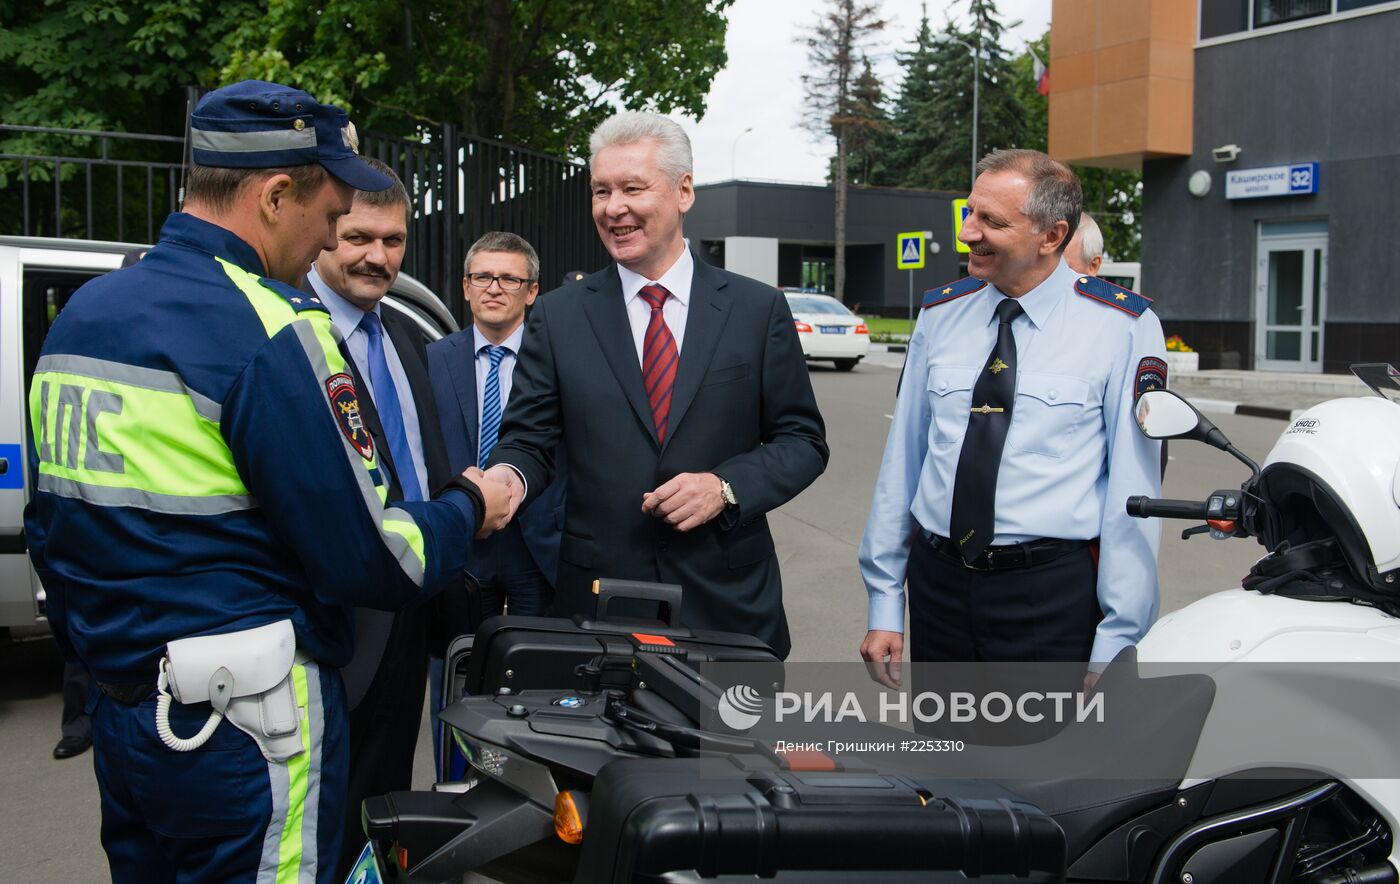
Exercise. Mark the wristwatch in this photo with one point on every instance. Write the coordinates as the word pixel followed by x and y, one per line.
pixel 726 493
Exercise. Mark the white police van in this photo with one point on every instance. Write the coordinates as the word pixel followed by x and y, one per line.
pixel 37 277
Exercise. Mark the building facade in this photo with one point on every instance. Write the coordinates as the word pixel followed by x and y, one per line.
pixel 784 235
pixel 1270 195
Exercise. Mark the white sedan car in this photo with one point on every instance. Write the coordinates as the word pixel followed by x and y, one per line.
pixel 828 330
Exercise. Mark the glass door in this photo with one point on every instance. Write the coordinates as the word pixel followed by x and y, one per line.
pixel 1291 303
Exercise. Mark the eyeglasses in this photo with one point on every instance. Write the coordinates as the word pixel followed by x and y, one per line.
pixel 508 284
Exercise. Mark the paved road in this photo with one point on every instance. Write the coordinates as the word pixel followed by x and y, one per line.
pixel 51 807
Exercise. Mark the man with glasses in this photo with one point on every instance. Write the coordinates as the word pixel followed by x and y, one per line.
pixel 472 373
pixel 471 376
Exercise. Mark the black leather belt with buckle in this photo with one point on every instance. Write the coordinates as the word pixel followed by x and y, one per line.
pixel 128 694
pixel 1010 556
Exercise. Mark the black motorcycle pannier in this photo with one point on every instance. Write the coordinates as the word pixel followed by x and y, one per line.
pixel 512 654
pixel 719 819
pixel 528 653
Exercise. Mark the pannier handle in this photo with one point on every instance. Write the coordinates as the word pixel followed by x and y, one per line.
pixel 666 595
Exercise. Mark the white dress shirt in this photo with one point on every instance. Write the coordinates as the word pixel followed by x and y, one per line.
pixel 346 318
pixel 674 311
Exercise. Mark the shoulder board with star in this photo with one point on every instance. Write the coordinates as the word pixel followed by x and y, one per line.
pixel 952 291
pixel 298 299
pixel 1105 292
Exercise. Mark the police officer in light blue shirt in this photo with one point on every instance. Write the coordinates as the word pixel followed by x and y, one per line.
pixel 1001 493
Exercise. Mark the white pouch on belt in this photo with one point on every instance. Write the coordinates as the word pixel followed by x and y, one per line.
pixel 246 676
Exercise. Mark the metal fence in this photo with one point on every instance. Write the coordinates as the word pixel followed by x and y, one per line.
pixel 120 186
pixel 93 185
pixel 463 186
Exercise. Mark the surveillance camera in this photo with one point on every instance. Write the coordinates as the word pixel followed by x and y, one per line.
pixel 1225 153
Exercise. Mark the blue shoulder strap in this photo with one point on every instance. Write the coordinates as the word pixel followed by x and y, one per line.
pixel 952 291
pixel 1105 292
pixel 300 300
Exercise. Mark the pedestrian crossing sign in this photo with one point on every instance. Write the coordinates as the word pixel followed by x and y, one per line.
pixel 959 216
pixel 910 250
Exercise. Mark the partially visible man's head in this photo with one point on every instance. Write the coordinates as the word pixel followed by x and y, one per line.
pixel 277 168
pixel 501 278
pixel 372 238
pixel 1022 212
pixel 1084 254
pixel 642 187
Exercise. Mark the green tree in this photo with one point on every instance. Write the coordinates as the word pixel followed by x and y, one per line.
pixel 869 135
pixel 1112 196
pixel 946 163
pixel 934 113
pixel 108 64
pixel 540 73
pixel 118 65
pixel 915 131
pixel 834 44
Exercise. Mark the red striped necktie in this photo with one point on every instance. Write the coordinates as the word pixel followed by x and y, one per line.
pixel 659 360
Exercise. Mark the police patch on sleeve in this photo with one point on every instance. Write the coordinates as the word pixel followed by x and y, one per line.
pixel 345 405
pixel 1151 375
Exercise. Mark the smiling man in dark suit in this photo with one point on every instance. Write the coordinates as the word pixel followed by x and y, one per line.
pixel 681 393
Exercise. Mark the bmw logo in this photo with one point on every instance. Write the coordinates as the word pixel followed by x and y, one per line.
pixel 569 702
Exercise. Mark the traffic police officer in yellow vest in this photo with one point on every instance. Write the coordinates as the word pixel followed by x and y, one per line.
pixel 208 504
pixel 1001 495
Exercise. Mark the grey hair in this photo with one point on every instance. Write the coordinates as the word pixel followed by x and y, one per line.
pixel 673 155
pixel 1090 238
pixel 500 241
pixel 1055 192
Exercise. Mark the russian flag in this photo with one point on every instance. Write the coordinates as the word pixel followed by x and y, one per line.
pixel 1042 73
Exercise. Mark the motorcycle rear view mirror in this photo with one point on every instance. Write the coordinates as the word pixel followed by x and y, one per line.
pixel 1164 414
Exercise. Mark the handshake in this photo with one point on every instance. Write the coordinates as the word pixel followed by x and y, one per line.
pixel 686 502
pixel 501 493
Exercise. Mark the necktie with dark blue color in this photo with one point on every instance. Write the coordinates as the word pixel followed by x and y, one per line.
pixel 973 521
pixel 386 402
pixel 659 360
pixel 491 403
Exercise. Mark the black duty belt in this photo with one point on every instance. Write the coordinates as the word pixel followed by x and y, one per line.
pixel 128 694
pixel 1010 556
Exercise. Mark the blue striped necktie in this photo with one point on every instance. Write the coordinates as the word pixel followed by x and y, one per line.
pixel 491 403
pixel 386 402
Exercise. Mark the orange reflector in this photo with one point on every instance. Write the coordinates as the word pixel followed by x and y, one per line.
pixel 401 856
pixel 804 759
pixel 568 822
pixel 647 638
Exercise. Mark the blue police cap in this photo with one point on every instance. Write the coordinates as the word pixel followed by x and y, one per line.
pixel 258 125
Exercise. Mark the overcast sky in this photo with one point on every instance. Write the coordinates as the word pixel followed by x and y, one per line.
pixel 760 87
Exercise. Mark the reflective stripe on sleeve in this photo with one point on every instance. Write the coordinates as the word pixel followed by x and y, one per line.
pixel 318 339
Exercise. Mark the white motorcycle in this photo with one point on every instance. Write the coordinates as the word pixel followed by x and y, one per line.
pixel 1304 658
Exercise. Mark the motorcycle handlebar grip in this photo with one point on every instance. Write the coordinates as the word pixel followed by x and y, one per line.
pixel 1150 507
